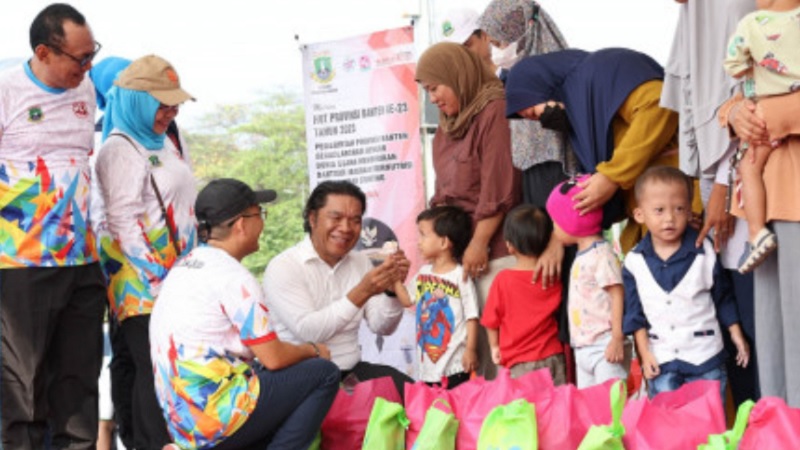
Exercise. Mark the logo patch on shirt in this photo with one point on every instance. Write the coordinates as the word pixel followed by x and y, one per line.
pixel 80 109
pixel 154 161
pixel 35 114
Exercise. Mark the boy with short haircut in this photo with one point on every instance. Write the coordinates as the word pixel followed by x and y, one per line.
pixel 520 316
pixel 596 296
pixel 447 306
pixel 675 293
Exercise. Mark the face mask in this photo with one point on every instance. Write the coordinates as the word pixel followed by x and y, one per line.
pixel 505 57
pixel 554 117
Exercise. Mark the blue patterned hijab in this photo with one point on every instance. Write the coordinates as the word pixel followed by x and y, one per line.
pixel 592 86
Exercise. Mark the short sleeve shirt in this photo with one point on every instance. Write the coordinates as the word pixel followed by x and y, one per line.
pixel 594 269
pixel 444 304
pixel 209 311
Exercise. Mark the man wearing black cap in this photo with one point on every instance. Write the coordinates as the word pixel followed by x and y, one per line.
pixel 208 324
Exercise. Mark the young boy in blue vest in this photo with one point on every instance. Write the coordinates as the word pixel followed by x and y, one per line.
pixel 675 294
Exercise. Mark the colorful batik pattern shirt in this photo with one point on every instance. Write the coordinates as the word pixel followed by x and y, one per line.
pixel 46 137
pixel 136 248
pixel 210 310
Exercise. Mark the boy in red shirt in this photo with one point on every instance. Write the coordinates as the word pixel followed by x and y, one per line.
pixel 520 316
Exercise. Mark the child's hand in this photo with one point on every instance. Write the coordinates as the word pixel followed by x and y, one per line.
pixel 742 347
pixel 496 355
pixel 470 361
pixel 615 351
pixel 649 365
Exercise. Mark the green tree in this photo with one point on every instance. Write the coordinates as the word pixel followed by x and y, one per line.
pixel 264 145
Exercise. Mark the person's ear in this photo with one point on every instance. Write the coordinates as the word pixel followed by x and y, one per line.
pixel 42 52
pixel 638 215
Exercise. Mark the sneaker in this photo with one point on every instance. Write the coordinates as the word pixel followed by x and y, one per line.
pixel 765 243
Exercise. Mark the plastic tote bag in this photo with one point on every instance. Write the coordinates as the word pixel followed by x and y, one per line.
pixel 386 429
pixel 679 420
pixel 773 425
pixel 609 437
pixel 510 427
pixel 419 398
pixel 729 440
pixel 346 422
pixel 439 429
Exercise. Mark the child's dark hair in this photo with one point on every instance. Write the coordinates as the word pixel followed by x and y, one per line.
pixel 528 229
pixel 451 222
pixel 664 174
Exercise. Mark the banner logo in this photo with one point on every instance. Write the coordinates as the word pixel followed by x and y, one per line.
pixel 323 70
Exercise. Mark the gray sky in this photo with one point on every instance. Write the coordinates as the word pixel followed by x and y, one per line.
pixel 231 51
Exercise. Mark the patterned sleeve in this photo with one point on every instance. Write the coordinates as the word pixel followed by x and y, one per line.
pixel 609 272
pixel 737 57
pixel 245 307
pixel 122 175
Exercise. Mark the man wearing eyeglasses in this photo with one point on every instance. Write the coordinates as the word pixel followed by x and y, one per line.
pixel 52 293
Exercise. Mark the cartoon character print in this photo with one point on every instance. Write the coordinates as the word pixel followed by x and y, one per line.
pixel 771 63
pixel 435 322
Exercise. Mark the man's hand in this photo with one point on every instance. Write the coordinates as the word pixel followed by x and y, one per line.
pixel 716 218
pixel 376 281
pixel 597 191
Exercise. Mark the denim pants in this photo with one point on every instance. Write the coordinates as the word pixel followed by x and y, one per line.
pixel 670 381
pixel 290 408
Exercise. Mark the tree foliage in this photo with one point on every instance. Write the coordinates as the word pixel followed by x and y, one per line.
pixel 264 145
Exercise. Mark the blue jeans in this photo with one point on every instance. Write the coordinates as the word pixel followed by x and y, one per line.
pixel 290 408
pixel 670 381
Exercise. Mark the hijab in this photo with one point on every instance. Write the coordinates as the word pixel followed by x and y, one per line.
pixel 526 24
pixel 474 84
pixel 592 86
pixel 133 113
pixel 103 75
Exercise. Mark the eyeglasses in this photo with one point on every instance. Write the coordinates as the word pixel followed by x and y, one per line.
pixel 83 62
pixel 261 212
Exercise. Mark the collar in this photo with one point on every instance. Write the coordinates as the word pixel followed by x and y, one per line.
pixel 308 253
pixel 38 82
pixel 594 245
pixel 687 248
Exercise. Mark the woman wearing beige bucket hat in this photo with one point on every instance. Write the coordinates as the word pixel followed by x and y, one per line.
pixel 148 192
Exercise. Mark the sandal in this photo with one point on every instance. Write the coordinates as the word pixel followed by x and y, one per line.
pixel 765 243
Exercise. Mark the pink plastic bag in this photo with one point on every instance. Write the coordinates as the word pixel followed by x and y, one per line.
pixel 419 397
pixel 565 415
pixel 678 420
pixel 772 425
pixel 346 422
pixel 472 401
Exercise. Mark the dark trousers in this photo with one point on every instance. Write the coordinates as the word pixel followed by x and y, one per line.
pixel 52 349
pixel 290 408
pixel 123 372
pixel 743 380
pixel 149 426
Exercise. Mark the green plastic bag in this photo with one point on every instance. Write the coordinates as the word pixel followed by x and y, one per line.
pixel 315 444
pixel 510 427
pixel 729 440
pixel 609 437
pixel 439 429
pixel 386 429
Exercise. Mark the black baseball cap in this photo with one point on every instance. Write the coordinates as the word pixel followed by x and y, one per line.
pixel 224 199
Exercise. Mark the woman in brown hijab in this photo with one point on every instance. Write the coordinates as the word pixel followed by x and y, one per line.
pixel 472 157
